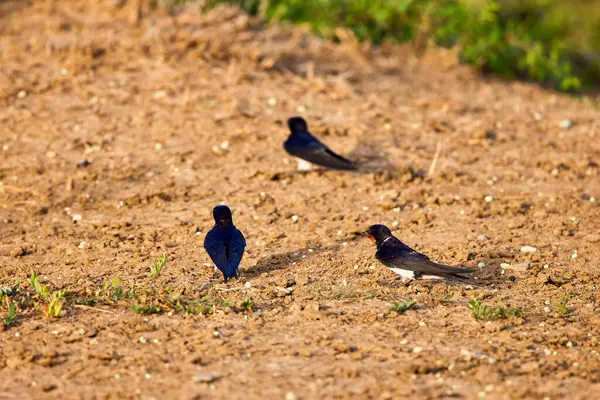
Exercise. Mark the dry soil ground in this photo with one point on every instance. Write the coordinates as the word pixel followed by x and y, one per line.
pixel 178 112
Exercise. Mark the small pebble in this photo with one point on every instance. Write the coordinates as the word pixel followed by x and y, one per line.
pixel 528 249
pixel 565 124
pixel 512 278
pixel 21 94
pixel 290 396
pixel 295 218
pixel 417 349
pixel 205 378
pixel 489 199
pixel 482 238
pixel 481 265
pixel 504 265
pixel 77 217
pixel 81 245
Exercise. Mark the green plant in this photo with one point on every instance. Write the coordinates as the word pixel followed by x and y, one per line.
pixel 247 304
pixel 146 309
pixel 227 303
pixel 158 266
pixel 401 307
pixel 552 42
pixel 486 313
pixel 561 306
pixel 11 318
pixel 344 292
pixel 42 290
pixel 55 302
pixel 54 299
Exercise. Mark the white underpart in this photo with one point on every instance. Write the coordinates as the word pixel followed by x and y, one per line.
pixel 405 274
pixel 304 165
pixel 408 275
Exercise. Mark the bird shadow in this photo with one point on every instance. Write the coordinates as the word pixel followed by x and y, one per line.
pixel 283 260
pixel 371 157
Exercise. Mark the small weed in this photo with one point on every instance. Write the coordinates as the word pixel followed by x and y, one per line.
pixel 85 301
pixel 561 306
pixel 55 302
pixel 227 303
pixel 401 307
pixel 42 290
pixel 205 305
pixel 247 304
pixel 486 313
pixel 54 299
pixel 345 292
pixel 7 292
pixel 158 266
pixel 11 318
pixel 117 289
pixel 145 310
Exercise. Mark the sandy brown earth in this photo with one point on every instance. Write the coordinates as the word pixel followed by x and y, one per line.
pixel 178 112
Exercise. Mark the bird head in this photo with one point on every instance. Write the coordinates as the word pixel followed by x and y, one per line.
pixel 222 215
pixel 297 124
pixel 378 233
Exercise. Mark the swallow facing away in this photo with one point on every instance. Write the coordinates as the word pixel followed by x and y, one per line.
pixel 224 243
pixel 302 144
pixel 409 263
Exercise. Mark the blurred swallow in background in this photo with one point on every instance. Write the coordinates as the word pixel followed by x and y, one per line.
pixel 302 144
pixel 409 263
pixel 224 243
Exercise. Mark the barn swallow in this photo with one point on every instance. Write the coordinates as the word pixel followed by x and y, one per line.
pixel 224 243
pixel 409 263
pixel 302 144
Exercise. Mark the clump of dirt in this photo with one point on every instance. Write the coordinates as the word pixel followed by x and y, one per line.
pixel 123 125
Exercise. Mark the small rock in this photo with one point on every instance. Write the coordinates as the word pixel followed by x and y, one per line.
pixel 504 265
pixel 565 124
pixel 290 396
pixel 295 218
pixel 205 378
pixel 489 199
pixel 520 267
pixel 481 265
pixel 482 238
pixel 83 164
pixel 77 217
pixel 528 249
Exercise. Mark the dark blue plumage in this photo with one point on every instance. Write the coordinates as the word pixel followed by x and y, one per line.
pixel 224 243
pixel 407 262
pixel 302 144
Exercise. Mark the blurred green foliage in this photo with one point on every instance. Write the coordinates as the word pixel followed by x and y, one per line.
pixel 554 42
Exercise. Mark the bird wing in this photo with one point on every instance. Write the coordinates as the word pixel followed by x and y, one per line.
pixel 421 264
pixel 237 245
pixel 215 248
pixel 317 153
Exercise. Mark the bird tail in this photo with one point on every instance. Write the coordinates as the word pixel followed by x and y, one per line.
pixel 448 272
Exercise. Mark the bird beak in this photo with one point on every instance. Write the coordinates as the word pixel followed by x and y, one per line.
pixel 371 237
